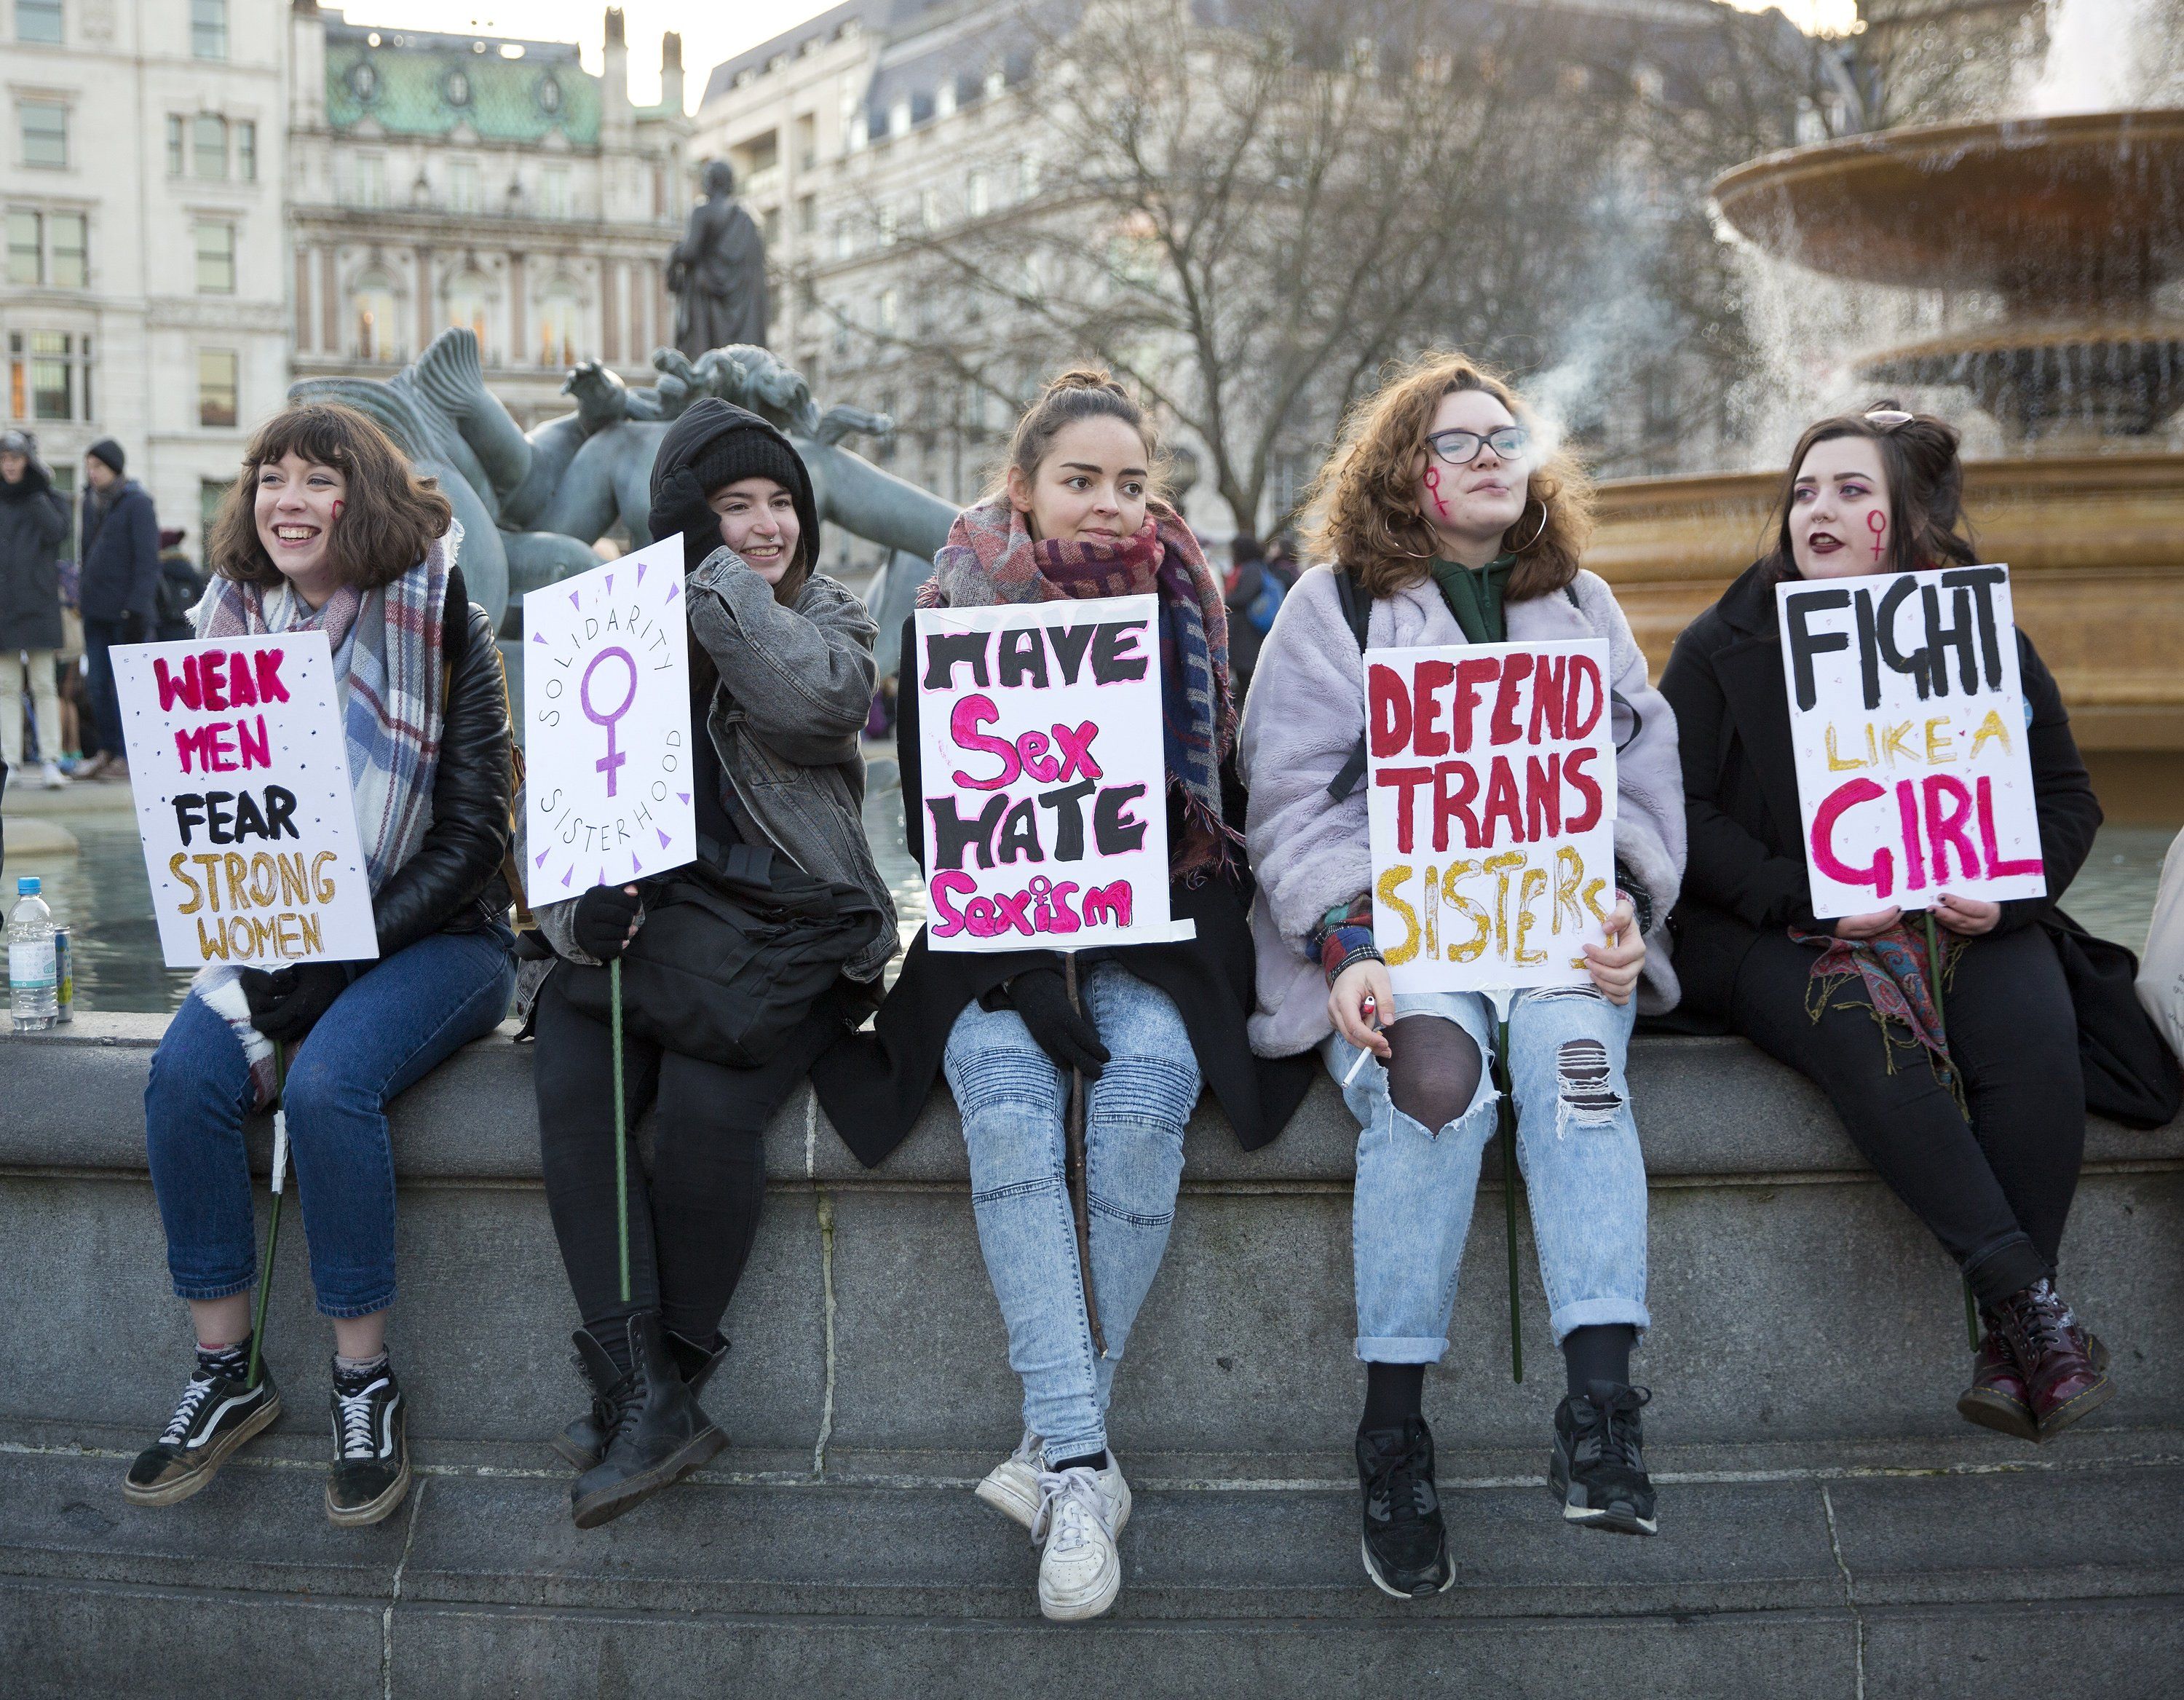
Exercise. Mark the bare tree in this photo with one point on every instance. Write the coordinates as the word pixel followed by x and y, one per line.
pixel 1247 220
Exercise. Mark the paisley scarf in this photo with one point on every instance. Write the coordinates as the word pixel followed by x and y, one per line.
pixel 991 558
pixel 1891 967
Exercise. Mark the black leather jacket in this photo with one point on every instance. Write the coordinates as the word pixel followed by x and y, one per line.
pixel 453 884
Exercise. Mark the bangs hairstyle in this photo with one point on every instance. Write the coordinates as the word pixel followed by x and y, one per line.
pixel 1087 391
pixel 1926 525
pixel 1364 502
pixel 389 516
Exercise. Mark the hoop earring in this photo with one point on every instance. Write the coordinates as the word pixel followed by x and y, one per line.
pixel 1536 535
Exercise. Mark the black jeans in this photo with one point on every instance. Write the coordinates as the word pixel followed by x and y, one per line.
pixel 692 1222
pixel 104 733
pixel 1995 1190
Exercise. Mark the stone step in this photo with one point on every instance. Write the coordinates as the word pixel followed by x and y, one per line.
pixel 1865 1574
pixel 1794 1298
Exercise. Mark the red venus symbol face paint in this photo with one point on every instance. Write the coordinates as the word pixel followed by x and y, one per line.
pixel 337 507
pixel 1877 523
pixel 1433 489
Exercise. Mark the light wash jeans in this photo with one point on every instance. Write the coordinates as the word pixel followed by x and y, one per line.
pixel 1012 1100
pixel 1577 1147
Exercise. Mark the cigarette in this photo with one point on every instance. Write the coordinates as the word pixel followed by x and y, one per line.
pixel 1363 1058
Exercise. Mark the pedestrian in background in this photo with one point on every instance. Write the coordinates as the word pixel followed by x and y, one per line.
pixel 180 585
pixel 33 522
pixel 119 588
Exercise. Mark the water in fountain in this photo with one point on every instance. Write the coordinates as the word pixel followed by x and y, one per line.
pixel 2101 57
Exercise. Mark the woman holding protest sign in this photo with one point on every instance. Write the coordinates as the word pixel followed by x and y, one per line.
pixel 1452 523
pixel 328 529
pixel 781 680
pixel 1971 1105
pixel 1076 514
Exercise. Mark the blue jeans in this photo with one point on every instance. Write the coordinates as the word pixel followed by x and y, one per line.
pixel 1577 1147
pixel 393 1025
pixel 1012 1100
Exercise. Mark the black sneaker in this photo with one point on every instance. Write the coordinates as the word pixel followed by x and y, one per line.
pixel 1598 1470
pixel 371 1470
pixel 1406 1544
pixel 217 1413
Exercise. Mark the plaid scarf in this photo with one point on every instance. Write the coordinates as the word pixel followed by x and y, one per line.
pixel 991 558
pixel 1893 968
pixel 385 646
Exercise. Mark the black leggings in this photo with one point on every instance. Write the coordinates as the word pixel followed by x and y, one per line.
pixel 1996 1189
pixel 692 1224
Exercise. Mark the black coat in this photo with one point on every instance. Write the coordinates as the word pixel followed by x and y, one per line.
pixel 33 519
pixel 120 556
pixel 1746 867
pixel 453 884
pixel 873 1084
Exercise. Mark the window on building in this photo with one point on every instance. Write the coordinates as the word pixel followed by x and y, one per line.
pixel 215 248
pixel 45 133
pixel 48 376
pixel 886 312
pixel 246 150
pixel 464 190
pixel 845 239
pixel 807 215
pixel 26 248
pixel 886 219
pixel 769 227
pixel 38 20
pixel 371 179
pixel 553 191
pixel 212 494
pixel 208 28
pixel 174 144
pixel 975 201
pixel 69 234
pixel 929 208
pixel 217 377
pixel 807 141
pixel 209 147
pixel 376 336
pixel 470 301
pixel 559 310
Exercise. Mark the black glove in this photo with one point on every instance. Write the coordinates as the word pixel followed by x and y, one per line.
pixel 285 1004
pixel 1064 1032
pixel 679 505
pixel 604 915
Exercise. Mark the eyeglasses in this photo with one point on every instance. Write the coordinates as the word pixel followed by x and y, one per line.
pixel 1461 448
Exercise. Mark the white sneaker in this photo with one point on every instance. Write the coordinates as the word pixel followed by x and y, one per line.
pixel 54 779
pixel 1079 1571
pixel 1012 1488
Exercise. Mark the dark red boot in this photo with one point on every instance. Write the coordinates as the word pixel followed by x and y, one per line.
pixel 1997 1398
pixel 2062 1380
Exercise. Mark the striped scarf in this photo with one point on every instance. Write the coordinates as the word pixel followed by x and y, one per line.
pixel 385 646
pixel 991 557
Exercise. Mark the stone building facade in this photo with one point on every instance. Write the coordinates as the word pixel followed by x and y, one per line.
pixel 145 294
pixel 438 180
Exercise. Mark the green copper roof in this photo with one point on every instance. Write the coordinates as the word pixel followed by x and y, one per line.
pixel 428 92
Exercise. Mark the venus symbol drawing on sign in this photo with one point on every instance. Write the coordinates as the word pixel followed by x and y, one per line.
pixel 607 725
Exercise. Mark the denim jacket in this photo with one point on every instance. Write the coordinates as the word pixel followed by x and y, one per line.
pixel 794 690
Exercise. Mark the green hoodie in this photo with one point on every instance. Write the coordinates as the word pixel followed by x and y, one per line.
pixel 1474 595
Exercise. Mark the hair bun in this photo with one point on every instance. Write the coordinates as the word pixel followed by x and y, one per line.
pixel 1086 376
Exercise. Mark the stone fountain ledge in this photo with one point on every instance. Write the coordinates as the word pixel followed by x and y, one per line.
pixel 1823 1509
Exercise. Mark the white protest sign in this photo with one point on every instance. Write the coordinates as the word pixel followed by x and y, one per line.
pixel 240 770
pixel 1908 724
pixel 1045 787
pixel 1492 812
pixel 607 705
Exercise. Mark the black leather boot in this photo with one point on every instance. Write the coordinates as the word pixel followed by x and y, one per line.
pixel 657 1431
pixel 580 1443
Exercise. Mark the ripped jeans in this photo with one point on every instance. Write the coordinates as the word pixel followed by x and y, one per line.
pixel 1012 1100
pixel 1577 1145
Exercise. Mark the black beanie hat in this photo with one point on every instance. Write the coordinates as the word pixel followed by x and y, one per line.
pixel 735 455
pixel 107 450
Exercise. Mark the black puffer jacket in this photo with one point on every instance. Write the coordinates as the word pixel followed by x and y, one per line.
pixel 33 519
pixel 453 884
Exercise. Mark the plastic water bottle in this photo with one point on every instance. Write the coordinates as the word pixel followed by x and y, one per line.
pixel 33 974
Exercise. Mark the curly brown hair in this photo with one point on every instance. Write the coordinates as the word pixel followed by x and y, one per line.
pixel 1364 505
pixel 389 516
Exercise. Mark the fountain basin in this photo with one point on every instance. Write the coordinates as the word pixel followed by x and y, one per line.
pixel 2080 209
pixel 2095 545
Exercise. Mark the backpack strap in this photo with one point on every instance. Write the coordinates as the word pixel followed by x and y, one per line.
pixel 1358 615
pixel 454 646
